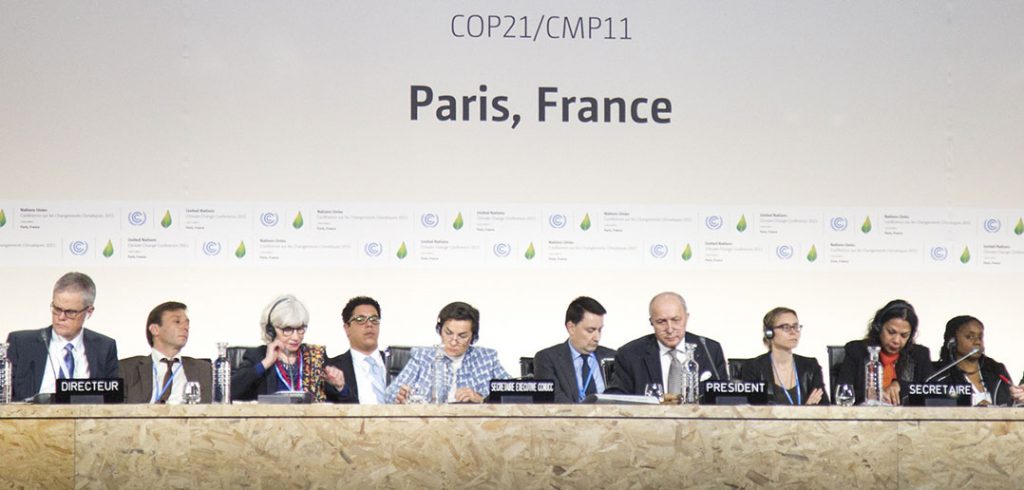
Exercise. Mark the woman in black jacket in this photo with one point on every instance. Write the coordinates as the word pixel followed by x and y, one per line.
pixel 893 329
pixel 990 379
pixel 788 378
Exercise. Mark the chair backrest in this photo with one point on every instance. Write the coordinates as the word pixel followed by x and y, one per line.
pixel 235 354
pixel 836 355
pixel 526 367
pixel 607 369
pixel 395 359
pixel 736 367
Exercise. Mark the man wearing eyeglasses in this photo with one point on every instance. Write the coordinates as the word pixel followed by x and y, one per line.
pixel 65 349
pixel 363 364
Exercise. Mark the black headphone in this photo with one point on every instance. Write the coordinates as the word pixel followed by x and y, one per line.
pixel 271 331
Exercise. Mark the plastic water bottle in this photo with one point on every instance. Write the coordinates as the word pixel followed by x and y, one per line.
pixel 5 375
pixel 222 375
pixel 873 377
pixel 439 377
pixel 691 375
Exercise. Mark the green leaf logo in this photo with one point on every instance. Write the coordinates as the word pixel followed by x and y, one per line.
pixel 298 222
pixel 1018 230
pixel 530 252
pixel 585 224
pixel 240 251
pixel 742 225
pixel 108 250
pixel 402 251
pixel 166 222
pixel 813 254
pixel 687 253
pixel 866 227
pixel 457 224
pixel 3 219
pixel 966 256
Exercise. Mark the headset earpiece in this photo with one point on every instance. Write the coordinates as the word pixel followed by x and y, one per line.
pixel 271 332
pixel 769 332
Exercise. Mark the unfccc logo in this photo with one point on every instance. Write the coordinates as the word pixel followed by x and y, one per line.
pixel 268 219
pixel 429 220
pixel 78 247
pixel 373 249
pixel 784 252
pixel 939 254
pixel 502 249
pixel 713 222
pixel 993 225
pixel 557 220
pixel 211 248
pixel 659 250
pixel 839 223
pixel 137 218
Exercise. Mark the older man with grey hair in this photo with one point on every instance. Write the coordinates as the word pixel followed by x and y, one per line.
pixel 650 358
pixel 65 349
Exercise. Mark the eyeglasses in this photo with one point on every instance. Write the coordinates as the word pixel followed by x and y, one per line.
pixel 458 339
pixel 363 319
pixel 790 328
pixel 289 331
pixel 71 314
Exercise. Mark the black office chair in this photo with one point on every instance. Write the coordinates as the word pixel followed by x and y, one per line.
pixel 395 359
pixel 235 355
pixel 736 368
pixel 526 367
pixel 607 369
pixel 836 355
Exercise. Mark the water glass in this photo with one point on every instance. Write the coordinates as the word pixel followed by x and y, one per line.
pixel 655 390
pixel 192 393
pixel 844 395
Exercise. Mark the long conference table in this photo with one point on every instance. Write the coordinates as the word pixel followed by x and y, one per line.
pixel 508 446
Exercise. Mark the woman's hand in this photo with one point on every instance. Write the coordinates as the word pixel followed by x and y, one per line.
pixel 815 397
pixel 275 350
pixel 892 394
pixel 1017 392
pixel 403 394
pixel 335 377
pixel 466 394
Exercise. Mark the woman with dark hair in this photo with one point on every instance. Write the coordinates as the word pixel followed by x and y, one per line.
pixel 789 379
pixel 989 378
pixel 893 329
pixel 465 370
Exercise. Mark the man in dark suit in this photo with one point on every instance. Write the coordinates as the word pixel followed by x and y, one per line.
pixel 362 365
pixel 161 376
pixel 649 359
pixel 64 349
pixel 575 365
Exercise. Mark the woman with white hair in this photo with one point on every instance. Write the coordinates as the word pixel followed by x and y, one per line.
pixel 285 363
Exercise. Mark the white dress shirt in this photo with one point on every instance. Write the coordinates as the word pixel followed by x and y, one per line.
pixel 177 382
pixel 364 378
pixel 666 355
pixel 55 361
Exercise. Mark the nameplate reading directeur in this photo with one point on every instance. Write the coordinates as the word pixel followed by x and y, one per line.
pixel 522 391
pixel 733 393
pixel 89 391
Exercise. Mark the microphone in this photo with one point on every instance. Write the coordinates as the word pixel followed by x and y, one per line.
pixel 954 363
pixel 711 361
pixel 46 345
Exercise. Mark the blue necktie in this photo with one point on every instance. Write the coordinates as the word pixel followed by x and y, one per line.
pixel 69 361
pixel 378 378
pixel 585 374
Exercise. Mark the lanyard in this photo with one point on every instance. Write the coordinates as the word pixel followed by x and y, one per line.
pixel 283 376
pixel 796 377
pixel 174 374
pixel 586 382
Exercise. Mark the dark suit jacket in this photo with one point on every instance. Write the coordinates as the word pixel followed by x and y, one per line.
pixel 990 372
pixel 138 377
pixel 914 365
pixel 556 363
pixel 759 369
pixel 247 383
pixel 350 394
pixel 28 351
pixel 639 362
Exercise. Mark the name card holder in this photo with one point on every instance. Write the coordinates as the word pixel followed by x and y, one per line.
pixel 522 391
pixel 89 391
pixel 939 394
pixel 733 393
pixel 286 398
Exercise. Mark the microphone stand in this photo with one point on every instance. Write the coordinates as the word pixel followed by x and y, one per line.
pixel 954 363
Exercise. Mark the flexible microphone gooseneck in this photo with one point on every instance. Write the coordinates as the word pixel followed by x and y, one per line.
pixel 954 363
